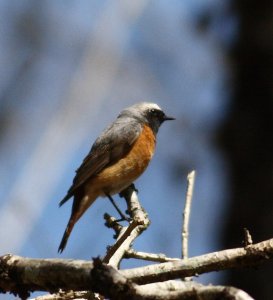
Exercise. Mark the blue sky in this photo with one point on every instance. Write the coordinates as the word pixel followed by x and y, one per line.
pixel 68 69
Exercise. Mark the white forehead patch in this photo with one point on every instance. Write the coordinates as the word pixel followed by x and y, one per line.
pixel 147 105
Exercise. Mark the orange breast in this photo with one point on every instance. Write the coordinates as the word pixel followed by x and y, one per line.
pixel 117 177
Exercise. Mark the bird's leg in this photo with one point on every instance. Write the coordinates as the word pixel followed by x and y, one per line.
pixel 124 193
pixel 123 217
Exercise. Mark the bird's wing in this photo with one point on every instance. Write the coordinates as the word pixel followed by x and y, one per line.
pixel 112 145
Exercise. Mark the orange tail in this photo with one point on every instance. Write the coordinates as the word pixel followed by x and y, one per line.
pixel 80 205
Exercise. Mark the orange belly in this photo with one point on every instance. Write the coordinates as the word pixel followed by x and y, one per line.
pixel 117 177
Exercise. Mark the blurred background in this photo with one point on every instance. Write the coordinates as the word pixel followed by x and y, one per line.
pixel 69 67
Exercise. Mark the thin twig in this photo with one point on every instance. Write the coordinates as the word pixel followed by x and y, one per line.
pixel 248 238
pixel 186 214
pixel 111 222
pixel 148 256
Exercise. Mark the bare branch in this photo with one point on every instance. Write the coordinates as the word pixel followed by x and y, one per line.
pixel 116 252
pixel 164 290
pixel 226 259
pixel 186 214
pixel 136 211
pixel 71 295
pixel 127 235
pixel 20 275
pixel 112 284
pixel 190 290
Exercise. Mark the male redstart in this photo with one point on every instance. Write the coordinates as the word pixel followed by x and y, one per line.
pixel 117 158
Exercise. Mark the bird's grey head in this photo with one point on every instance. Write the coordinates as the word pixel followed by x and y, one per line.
pixel 147 113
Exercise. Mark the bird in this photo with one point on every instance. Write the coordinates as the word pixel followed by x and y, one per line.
pixel 117 158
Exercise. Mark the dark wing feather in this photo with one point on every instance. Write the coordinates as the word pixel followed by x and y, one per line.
pixel 112 145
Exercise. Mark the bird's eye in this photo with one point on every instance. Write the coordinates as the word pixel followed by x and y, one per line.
pixel 153 111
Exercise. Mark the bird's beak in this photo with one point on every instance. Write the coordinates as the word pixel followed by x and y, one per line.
pixel 166 118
